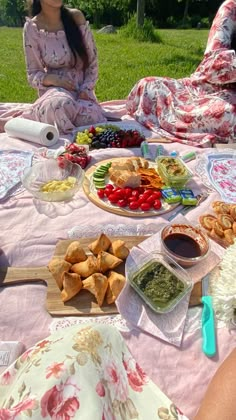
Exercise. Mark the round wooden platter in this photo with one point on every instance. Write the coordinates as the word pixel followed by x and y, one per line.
pixel 91 192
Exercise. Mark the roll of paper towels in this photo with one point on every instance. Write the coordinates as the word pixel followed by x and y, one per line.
pixel 33 131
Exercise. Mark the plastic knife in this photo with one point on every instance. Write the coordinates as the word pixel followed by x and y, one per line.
pixel 208 322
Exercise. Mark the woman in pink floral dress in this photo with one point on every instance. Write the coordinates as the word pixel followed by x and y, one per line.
pixel 201 109
pixel 61 63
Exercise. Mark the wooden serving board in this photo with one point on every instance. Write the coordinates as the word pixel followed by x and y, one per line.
pixel 84 303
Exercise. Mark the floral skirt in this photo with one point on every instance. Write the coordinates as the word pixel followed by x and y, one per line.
pixel 82 373
pixel 59 107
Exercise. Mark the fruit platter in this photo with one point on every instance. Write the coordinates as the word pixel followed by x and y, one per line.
pixel 127 186
pixel 109 136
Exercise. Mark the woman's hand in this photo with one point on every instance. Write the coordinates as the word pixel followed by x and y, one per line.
pixel 59 81
pixel 84 96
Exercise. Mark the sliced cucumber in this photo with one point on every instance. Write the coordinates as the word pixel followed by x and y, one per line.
pixel 98 175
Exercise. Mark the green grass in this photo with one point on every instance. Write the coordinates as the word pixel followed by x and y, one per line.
pixel 122 62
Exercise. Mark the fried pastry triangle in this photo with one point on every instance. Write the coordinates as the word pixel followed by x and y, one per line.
pixel 72 284
pixel 107 261
pixel 116 283
pixel 97 285
pixel 101 244
pixel 75 253
pixel 57 266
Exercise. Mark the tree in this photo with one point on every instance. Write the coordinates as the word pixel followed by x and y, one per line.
pixel 95 8
pixel 140 12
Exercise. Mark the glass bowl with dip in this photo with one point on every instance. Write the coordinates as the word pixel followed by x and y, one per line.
pixel 173 171
pixel 186 244
pixel 48 181
pixel 159 281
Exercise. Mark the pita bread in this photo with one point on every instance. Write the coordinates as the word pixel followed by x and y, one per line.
pixel 57 266
pixel 72 284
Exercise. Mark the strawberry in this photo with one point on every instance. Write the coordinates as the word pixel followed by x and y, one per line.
pixel 61 162
pixel 69 157
pixel 92 130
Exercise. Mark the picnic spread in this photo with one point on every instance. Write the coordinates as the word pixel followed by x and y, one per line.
pixel 87 257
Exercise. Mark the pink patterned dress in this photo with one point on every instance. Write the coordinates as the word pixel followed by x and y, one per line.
pixel 201 109
pixel 49 52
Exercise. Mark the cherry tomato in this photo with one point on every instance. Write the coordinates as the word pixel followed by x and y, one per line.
pixel 142 199
pixel 113 198
pixel 141 190
pixel 128 192
pixel 151 199
pixel 108 192
pixel 101 193
pixel 148 192
pixel 109 187
pixel 135 193
pixel 133 205
pixel 145 206
pixel 121 193
pixel 157 194
pixel 122 203
pixel 157 204
pixel 131 199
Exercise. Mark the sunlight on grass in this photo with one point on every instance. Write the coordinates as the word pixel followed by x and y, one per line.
pixel 122 62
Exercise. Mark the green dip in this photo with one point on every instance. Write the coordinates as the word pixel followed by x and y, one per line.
pixel 173 166
pixel 158 284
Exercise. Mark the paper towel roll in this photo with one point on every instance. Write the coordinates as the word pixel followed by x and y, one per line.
pixel 33 131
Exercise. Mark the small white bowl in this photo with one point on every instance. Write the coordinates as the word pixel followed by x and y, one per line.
pixel 40 173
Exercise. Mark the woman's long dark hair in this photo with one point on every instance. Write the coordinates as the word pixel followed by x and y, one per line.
pixel 72 31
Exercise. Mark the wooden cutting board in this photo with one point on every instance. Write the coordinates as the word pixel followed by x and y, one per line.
pixel 84 303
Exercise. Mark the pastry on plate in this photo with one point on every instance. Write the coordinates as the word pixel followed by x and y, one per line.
pixel 225 220
pixel 232 211
pixel 72 284
pixel 75 253
pixel 86 268
pixel 106 261
pixel 97 285
pixel 119 249
pixel 221 207
pixel 116 283
pixel 207 221
pixel 57 266
pixel 101 244
pixel 234 228
pixel 229 236
pixel 218 228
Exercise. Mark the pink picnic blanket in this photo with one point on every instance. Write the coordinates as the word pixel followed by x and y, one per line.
pixel 29 232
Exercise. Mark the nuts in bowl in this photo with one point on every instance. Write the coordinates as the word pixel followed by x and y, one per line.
pixel 49 181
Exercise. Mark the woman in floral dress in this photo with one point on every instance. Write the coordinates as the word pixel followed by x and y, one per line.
pixel 88 373
pixel 61 61
pixel 200 109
